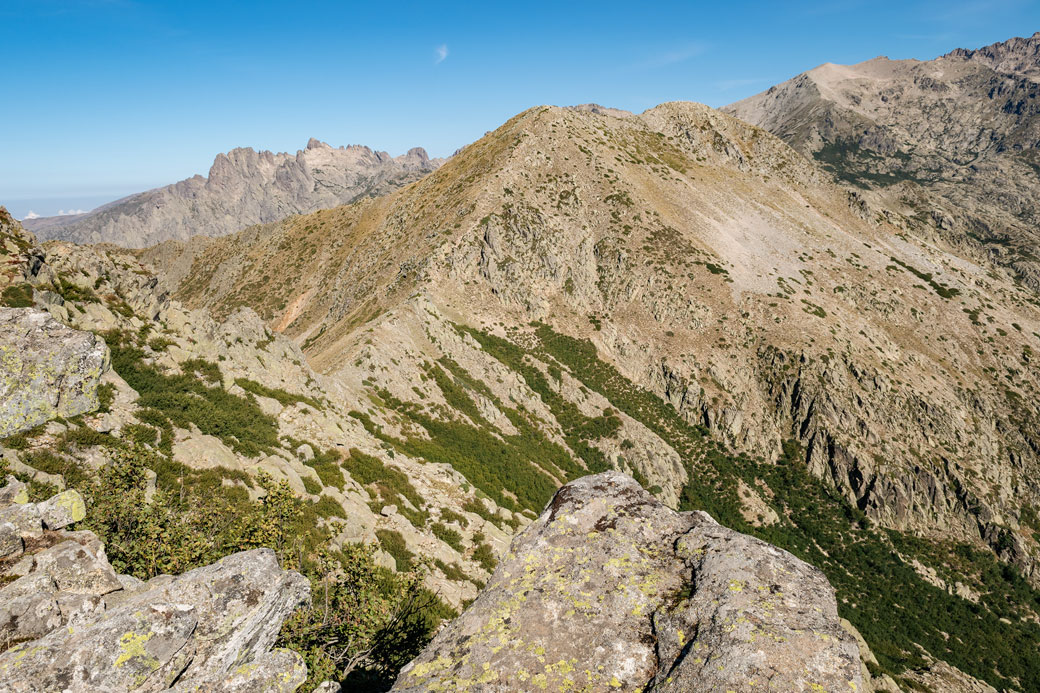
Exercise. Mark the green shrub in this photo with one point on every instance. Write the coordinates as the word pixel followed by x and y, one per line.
pixel 453 572
pixel 183 399
pixel 485 556
pixel 74 293
pixel 449 536
pixel 158 344
pixel 327 465
pixel 46 460
pixel 393 543
pixel 472 505
pixel 141 434
pixel 449 515
pixel 284 398
pixel 391 485
pixel 17 296
pixel 326 507
pixel 363 623
pixel 106 396
pixel 311 486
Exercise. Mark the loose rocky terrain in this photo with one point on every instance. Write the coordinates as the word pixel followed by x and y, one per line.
pixel 244 187
pixel 946 148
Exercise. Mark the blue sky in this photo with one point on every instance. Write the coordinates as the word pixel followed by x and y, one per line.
pixel 108 97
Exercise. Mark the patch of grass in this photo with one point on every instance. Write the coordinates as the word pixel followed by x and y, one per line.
pixel 17 296
pixel 327 465
pixel 392 485
pixel 284 398
pixel 449 536
pixel 453 572
pixel 106 396
pixel 159 344
pixel 393 543
pixel 184 399
pixel 75 293
pixel 941 289
pixel 449 515
pixel 485 556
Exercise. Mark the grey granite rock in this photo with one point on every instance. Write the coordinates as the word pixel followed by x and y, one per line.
pixel 13 492
pixel 139 649
pixel 61 510
pixel 611 590
pixel 46 369
pixel 77 569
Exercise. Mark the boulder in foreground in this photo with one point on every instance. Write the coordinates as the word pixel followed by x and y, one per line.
pixel 609 590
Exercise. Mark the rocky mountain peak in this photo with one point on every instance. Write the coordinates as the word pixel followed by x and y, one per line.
pixel 961 130
pixel 1018 56
pixel 244 187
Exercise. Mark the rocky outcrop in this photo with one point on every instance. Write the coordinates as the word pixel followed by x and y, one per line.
pixel 244 187
pixel 611 590
pixel 47 370
pixel 69 622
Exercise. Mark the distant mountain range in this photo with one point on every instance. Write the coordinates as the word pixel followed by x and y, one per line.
pixel 244 187
pixel 952 142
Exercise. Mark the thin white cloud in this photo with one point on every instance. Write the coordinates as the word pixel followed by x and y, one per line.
pixel 63 213
pixel 442 53
pixel 31 215
pixel 672 57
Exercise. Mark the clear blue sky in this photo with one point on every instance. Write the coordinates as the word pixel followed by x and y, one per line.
pixel 107 97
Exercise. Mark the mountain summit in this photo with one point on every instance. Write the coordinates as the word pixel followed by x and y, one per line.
pixel 244 187
pixel 951 143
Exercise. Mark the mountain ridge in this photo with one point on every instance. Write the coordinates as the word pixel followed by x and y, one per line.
pixel 947 147
pixel 557 245
pixel 243 187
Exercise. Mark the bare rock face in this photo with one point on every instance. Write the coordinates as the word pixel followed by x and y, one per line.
pixel 244 187
pixel 47 370
pixel 611 590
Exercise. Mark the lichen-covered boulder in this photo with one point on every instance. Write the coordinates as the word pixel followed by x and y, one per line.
pixel 239 603
pixel 210 629
pixel 609 590
pixel 25 517
pixel 279 671
pixel 11 543
pixel 13 492
pixel 78 568
pixel 28 608
pixel 47 370
pixel 141 649
pixel 62 509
